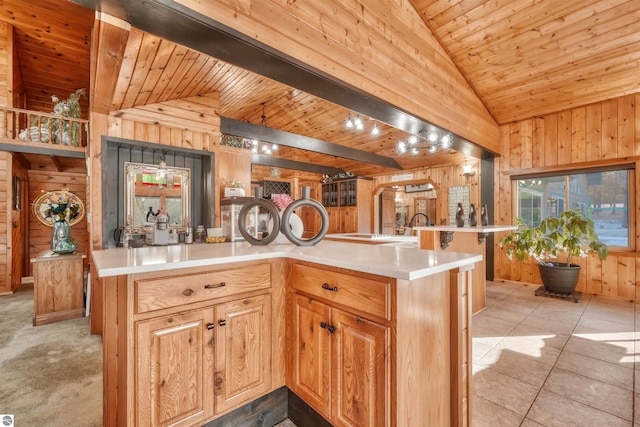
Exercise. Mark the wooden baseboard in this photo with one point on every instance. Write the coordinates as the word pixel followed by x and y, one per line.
pixel 43 319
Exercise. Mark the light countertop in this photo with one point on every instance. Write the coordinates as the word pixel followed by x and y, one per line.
pixel 384 260
pixel 370 237
pixel 478 229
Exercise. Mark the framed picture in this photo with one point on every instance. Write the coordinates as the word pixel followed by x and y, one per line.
pixel 17 193
pixel 418 187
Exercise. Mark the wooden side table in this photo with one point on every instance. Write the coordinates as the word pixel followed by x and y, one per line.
pixel 58 292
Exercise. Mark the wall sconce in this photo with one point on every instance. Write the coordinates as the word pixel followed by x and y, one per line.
pixel 468 172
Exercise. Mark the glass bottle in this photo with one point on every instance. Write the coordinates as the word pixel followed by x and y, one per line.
pixel 200 234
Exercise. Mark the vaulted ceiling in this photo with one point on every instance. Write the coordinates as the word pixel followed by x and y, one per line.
pixel 523 58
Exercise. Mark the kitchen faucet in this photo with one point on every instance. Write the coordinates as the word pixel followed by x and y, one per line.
pixel 414 217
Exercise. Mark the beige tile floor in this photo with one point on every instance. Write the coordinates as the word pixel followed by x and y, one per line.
pixel 541 361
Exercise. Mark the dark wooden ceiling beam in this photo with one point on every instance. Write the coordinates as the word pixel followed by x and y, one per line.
pixel 266 134
pixel 175 22
pixel 279 162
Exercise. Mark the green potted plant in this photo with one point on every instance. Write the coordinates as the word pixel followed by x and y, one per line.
pixel 554 244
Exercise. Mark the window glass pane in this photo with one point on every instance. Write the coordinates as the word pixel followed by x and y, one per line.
pixel 604 197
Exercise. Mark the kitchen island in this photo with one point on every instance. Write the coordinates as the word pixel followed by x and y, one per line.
pixel 367 335
pixel 449 238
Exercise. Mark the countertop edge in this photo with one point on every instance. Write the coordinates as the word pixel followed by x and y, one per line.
pixel 394 262
pixel 467 229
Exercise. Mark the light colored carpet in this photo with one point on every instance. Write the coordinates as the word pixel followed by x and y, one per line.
pixel 51 374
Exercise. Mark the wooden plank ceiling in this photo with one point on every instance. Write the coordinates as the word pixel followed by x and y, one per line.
pixel 524 58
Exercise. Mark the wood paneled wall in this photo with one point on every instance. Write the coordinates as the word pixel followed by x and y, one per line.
pixel 39 234
pixel 5 221
pixel 605 133
pixel 6 63
pixel 382 48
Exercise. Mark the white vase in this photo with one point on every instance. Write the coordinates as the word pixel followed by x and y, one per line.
pixel 296 225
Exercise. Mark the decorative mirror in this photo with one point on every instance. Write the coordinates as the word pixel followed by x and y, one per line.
pixel 150 187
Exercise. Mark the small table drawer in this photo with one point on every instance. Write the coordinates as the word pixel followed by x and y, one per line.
pixel 359 293
pixel 155 294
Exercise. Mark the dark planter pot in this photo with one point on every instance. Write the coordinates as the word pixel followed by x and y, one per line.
pixel 559 278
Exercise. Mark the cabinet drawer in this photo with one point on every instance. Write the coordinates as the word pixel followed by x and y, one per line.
pixel 154 294
pixel 359 293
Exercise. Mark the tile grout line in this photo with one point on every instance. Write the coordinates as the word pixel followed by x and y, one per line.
pixel 554 363
pixel 585 404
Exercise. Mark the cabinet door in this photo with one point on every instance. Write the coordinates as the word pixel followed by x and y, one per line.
pixel 334 220
pixel 174 375
pixel 349 219
pixel 312 348
pixel 243 351
pixel 359 372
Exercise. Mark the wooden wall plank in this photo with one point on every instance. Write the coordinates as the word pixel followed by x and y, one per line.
pixel 609 129
pixel 593 139
pixel 537 158
pixel 626 126
pixel 564 138
pixel 550 140
pixel 636 144
pixel 578 135
pixel 610 276
pixel 594 275
pixel 627 277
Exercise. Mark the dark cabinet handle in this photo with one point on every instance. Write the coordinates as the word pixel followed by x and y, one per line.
pixel 222 322
pixel 218 285
pixel 187 292
pixel 331 328
pixel 329 288
pixel 211 326
pixel 323 325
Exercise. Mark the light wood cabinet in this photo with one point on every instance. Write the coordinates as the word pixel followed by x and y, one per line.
pixel 351 201
pixel 58 291
pixel 359 371
pixel 339 359
pixel 202 344
pixel 361 349
pixel 174 377
pixel 334 220
pixel 243 351
pixel 311 350
pixel 176 381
